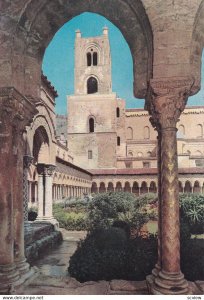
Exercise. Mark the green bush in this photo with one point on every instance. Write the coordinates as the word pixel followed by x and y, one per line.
pixel 192 211
pixel 192 259
pixel 107 208
pixel 70 220
pixel 123 225
pixel 146 199
pixel 130 259
pixel 107 254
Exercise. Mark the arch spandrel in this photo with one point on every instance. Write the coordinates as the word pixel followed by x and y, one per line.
pixel 38 22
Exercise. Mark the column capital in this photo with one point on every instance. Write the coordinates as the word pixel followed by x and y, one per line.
pixel 15 109
pixel 40 168
pixel 27 161
pixel 167 99
pixel 49 170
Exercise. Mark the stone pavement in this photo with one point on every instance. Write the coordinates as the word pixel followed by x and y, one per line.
pixel 55 263
pixel 53 278
pixel 47 285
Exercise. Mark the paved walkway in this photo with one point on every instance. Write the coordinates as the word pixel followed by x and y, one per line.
pixel 53 278
pixel 56 262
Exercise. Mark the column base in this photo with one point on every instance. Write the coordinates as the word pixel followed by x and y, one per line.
pixel 8 277
pixel 167 284
pixel 22 266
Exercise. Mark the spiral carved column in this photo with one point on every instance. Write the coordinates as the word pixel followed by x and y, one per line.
pixel 157 268
pixel 170 279
pixel 167 101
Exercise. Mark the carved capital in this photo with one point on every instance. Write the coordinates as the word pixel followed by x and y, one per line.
pixel 27 161
pixel 15 110
pixel 49 170
pixel 44 169
pixel 40 168
pixel 167 100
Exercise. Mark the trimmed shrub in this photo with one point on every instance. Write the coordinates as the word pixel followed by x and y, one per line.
pixel 123 225
pixel 107 254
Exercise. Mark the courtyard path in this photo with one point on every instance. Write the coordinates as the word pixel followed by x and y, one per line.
pixel 53 278
pixel 56 262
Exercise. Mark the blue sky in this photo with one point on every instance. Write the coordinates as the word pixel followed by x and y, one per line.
pixel 58 62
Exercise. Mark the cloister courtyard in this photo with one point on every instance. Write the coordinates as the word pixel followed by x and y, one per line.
pixel 103 168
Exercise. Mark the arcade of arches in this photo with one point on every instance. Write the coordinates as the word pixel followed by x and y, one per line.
pixel 166 40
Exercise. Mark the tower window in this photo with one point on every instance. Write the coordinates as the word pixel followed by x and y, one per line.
pixel 91 125
pixel 92 58
pixel 117 112
pixel 88 59
pixel 95 59
pixel 92 85
pixel 90 154
pixel 118 141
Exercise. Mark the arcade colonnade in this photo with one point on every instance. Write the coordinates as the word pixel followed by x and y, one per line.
pixel 166 41
pixel 63 186
pixel 62 191
pixel 142 186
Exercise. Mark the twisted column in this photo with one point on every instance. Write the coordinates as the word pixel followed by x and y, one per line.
pixel 167 101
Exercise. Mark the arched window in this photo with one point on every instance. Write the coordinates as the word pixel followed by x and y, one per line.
pixel 130 154
pixel 92 85
pixel 146 133
pixel 129 133
pixel 95 59
pixel 118 140
pixel 91 125
pixel 117 112
pixel 199 130
pixel 181 129
pixel 88 55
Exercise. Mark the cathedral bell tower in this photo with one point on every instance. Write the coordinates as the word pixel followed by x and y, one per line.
pixel 92 137
pixel 92 64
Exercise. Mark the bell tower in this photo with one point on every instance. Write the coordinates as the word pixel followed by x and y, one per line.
pixel 92 119
pixel 92 64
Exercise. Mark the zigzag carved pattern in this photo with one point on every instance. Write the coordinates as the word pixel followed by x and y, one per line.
pixel 170 205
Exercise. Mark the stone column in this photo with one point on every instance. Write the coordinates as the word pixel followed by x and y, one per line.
pixel 15 113
pixel 45 200
pixel 168 101
pixel 27 161
pixel 49 170
pixel 8 273
pixel 157 268
pixel 41 193
pixel 36 192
